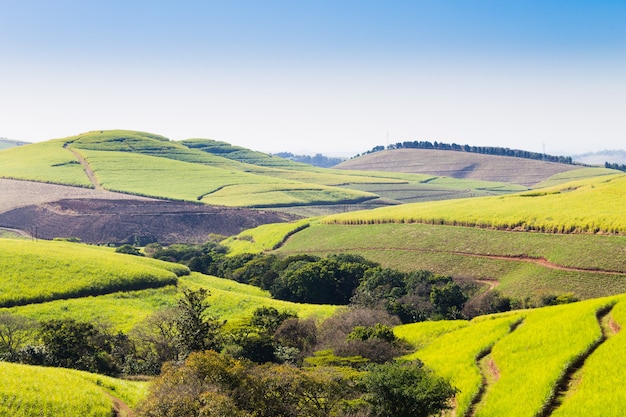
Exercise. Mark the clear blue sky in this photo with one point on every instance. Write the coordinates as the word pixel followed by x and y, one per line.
pixel 336 77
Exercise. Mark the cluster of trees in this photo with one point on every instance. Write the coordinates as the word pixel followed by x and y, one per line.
pixel 615 165
pixel 352 280
pixel 317 160
pixel 342 279
pixel 486 150
pixel 276 364
pixel 209 384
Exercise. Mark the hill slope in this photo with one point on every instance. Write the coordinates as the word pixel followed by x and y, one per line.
pixel 454 164
pixel 585 206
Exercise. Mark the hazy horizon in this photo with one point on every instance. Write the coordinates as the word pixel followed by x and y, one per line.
pixel 335 78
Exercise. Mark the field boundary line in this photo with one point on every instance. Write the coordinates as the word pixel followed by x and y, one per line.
pixel 511 258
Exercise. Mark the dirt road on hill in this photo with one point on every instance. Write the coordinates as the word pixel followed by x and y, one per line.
pixel 90 174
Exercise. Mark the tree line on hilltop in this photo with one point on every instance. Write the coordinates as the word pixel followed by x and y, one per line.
pixel 485 150
pixel 619 167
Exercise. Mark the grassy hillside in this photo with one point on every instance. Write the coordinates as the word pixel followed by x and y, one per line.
pixel 514 364
pixel 522 265
pixel 592 205
pixel 36 271
pixel 43 162
pixel 218 173
pixel 27 391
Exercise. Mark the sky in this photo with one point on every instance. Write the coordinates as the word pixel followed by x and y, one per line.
pixel 319 76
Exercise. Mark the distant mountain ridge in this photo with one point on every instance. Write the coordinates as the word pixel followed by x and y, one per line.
pixel 599 158
pixel 10 143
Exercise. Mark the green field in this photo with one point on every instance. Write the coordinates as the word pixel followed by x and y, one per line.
pixel 218 173
pixel 43 162
pixel 37 271
pixel 524 264
pixel 27 391
pixel 527 363
pixel 584 206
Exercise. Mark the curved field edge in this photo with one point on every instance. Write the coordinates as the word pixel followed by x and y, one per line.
pixel 264 238
pixel 27 391
pixel 454 355
pixel 533 359
pixel 584 206
pixel 39 271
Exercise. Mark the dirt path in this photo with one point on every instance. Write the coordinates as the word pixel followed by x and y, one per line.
pixel 573 373
pixel 489 371
pixel 120 408
pixel 90 174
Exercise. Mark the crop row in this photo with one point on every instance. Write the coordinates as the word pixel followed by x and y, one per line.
pixel 533 361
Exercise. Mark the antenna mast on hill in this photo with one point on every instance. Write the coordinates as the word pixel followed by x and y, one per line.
pixel 544 151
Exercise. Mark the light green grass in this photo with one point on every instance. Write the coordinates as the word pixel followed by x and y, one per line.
pixel 263 238
pixel 422 334
pixel 229 300
pixel 588 206
pixel 600 392
pixel 43 162
pixel 454 354
pixel 577 174
pixel 533 358
pixel 31 391
pixel 36 271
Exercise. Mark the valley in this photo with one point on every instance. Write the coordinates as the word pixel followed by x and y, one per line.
pixel 537 249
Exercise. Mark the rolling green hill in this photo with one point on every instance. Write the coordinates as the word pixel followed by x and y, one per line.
pixel 218 173
pixel 37 271
pixel 27 391
pixel 592 205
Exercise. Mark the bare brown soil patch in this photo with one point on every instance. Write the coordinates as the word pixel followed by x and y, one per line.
pixel 15 193
pixel 140 222
pixel 48 211
pixel 453 164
